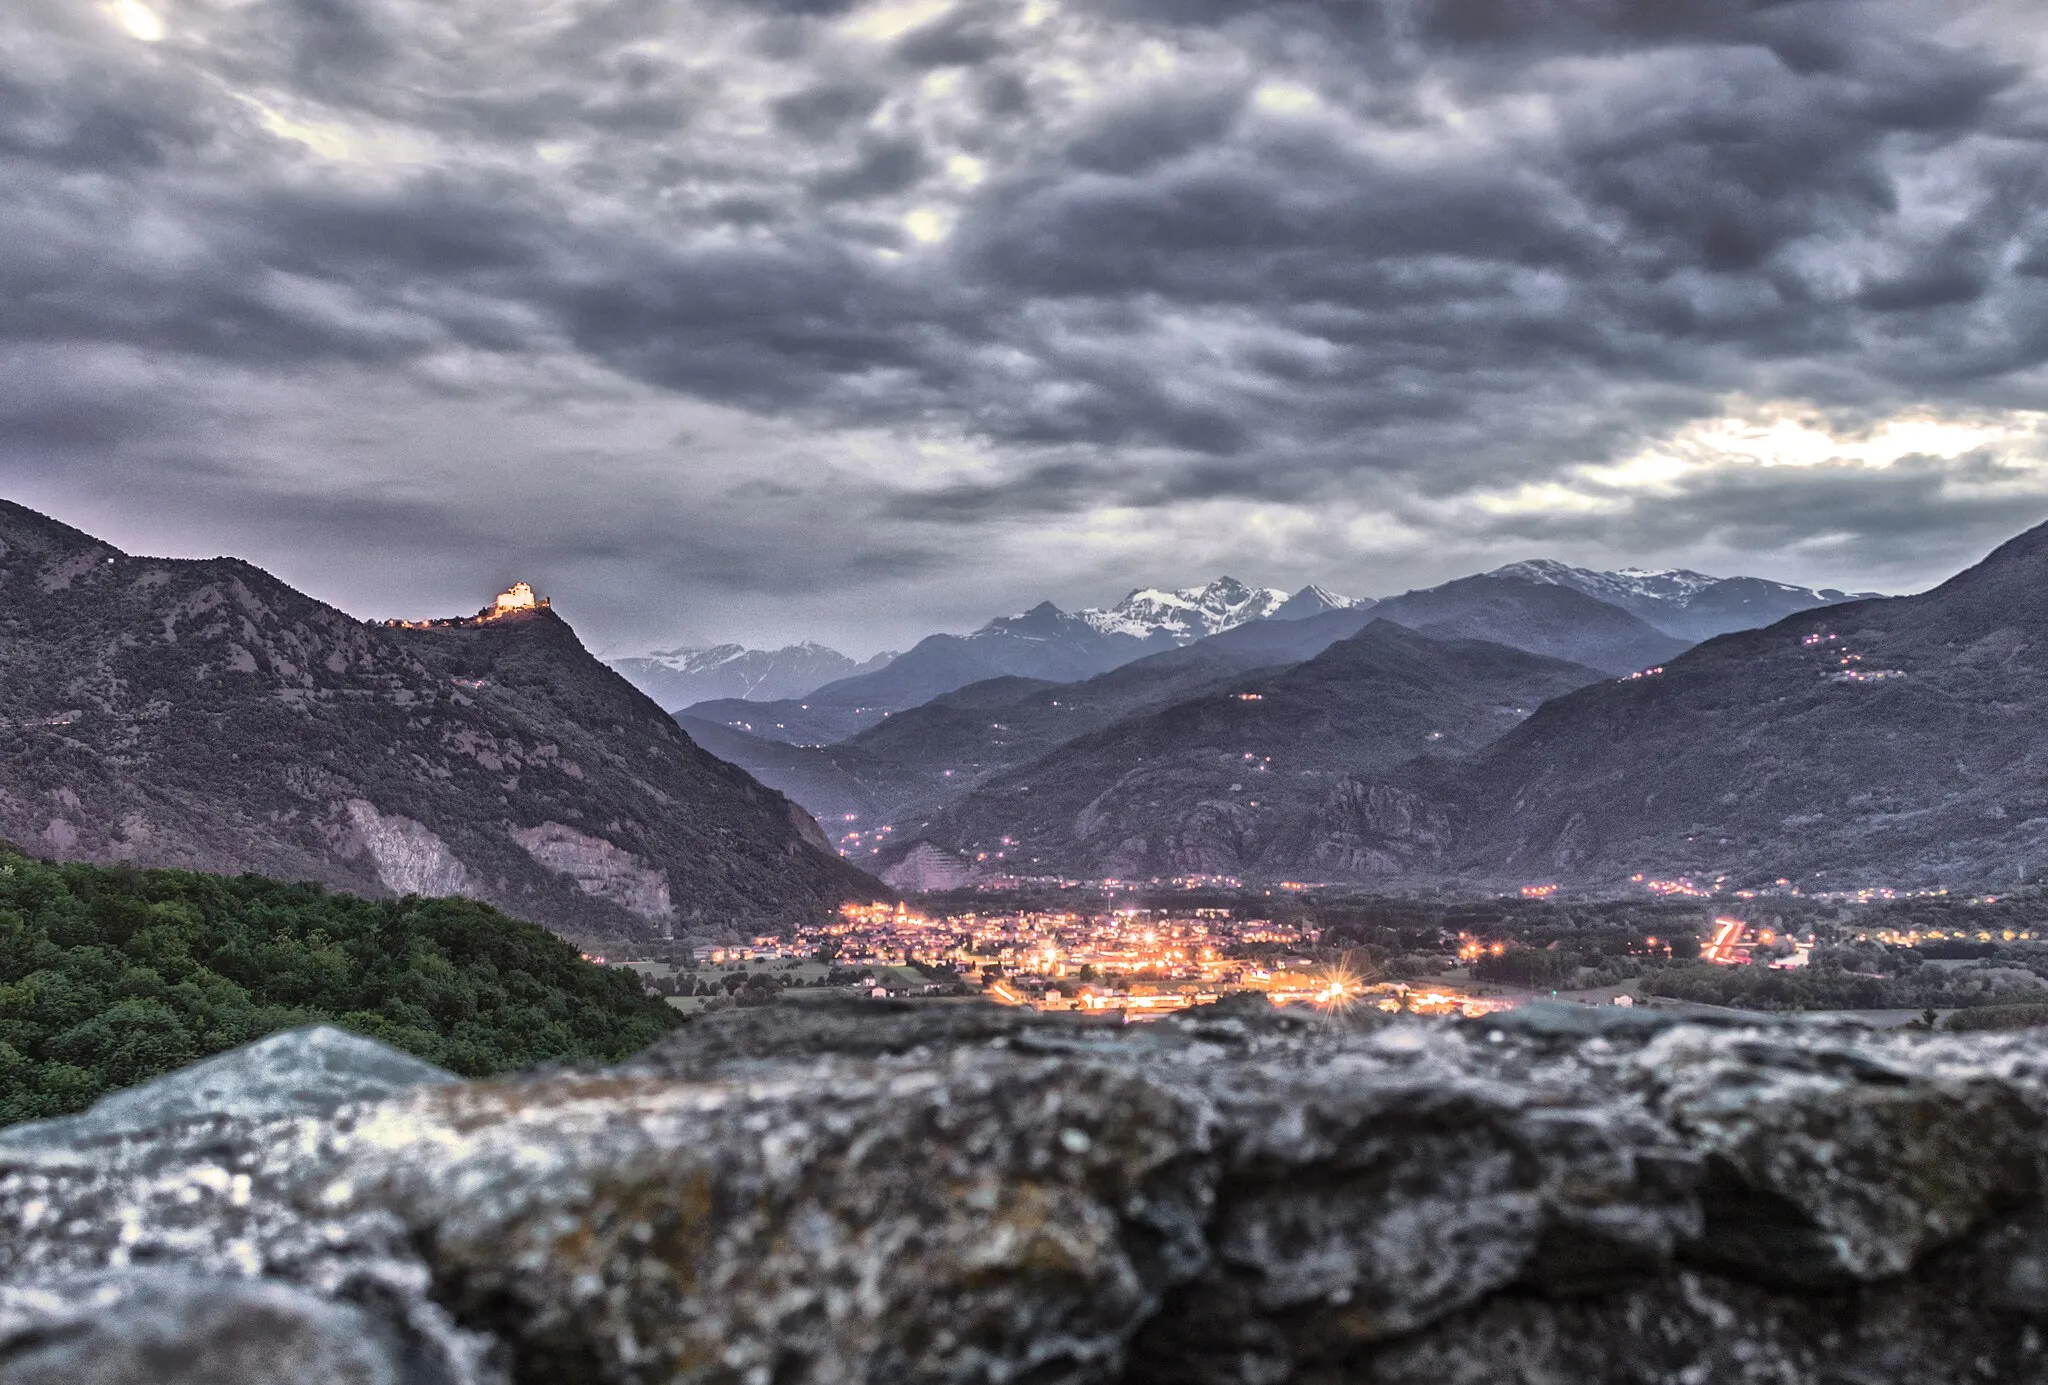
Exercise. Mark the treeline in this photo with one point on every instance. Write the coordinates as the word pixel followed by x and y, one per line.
pixel 759 987
pixel 1865 976
pixel 112 976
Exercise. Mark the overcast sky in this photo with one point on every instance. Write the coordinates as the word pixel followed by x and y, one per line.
pixel 768 319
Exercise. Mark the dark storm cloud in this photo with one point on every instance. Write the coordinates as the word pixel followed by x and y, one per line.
pixel 879 168
pixel 1919 516
pixel 334 44
pixel 962 39
pixel 822 111
pixel 1122 254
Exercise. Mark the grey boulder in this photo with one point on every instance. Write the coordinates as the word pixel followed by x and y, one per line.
pixel 158 1327
pixel 299 1072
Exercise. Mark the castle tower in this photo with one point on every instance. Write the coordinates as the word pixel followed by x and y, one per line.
pixel 518 597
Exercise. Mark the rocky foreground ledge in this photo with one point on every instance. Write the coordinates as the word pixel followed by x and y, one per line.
pixel 871 1194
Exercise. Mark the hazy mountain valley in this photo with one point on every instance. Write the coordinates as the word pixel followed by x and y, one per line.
pixel 1130 772
pixel 1871 741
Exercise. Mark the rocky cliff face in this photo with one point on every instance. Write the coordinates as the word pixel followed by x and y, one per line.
pixel 856 1194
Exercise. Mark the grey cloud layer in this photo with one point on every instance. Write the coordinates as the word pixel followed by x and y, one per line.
pixel 1114 254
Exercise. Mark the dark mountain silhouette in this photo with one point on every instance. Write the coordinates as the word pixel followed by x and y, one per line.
pixel 1537 617
pixel 914 762
pixel 1263 774
pixel 1686 605
pixel 831 782
pixel 203 714
pixel 1043 643
pixel 1885 742
pixel 1052 645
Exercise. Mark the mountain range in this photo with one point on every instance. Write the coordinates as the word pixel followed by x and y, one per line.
pixel 1618 621
pixel 912 763
pixel 1044 643
pixel 945 769
pixel 1191 613
pixel 679 677
pixel 1538 722
pixel 1883 742
pixel 1538 618
pixel 1690 606
pixel 906 765
pixel 1241 779
pixel 1889 741
pixel 203 714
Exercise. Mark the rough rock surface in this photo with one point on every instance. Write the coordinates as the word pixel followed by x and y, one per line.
pixel 126 1326
pixel 599 868
pixel 924 1192
pixel 307 1071
pixel 410 859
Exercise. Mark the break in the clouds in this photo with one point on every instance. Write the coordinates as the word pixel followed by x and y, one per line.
pixel 768 318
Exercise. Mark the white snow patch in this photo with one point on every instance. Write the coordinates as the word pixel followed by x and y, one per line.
pixel 1189 614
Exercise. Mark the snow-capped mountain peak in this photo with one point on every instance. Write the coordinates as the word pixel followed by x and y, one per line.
pixel 1044 621
pixel 1189 614
pixel 1688 604
pixel 1662 584
pixel 1315 600
pixel 679 677
pixel 701 659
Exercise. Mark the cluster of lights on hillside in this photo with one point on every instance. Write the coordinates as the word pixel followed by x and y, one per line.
pixel 1844 668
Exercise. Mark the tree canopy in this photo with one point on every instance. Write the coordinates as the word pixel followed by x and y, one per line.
pixel 112 976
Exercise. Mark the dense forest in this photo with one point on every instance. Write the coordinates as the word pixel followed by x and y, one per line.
pixel 111 976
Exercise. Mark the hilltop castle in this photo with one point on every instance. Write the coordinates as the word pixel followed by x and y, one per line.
pixel 516 600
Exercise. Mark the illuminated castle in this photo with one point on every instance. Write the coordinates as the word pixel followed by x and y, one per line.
pixel 517 599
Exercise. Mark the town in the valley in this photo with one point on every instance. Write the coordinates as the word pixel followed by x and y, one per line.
pixel 1129 962
pixel 1126 953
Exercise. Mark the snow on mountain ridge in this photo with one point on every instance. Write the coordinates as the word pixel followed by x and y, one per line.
pixel 678 677
pixel 701 658
pixel 1189 614
pixel 1044 621
pixel 1679 601
pixel 1661 584
pixel 1316 600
